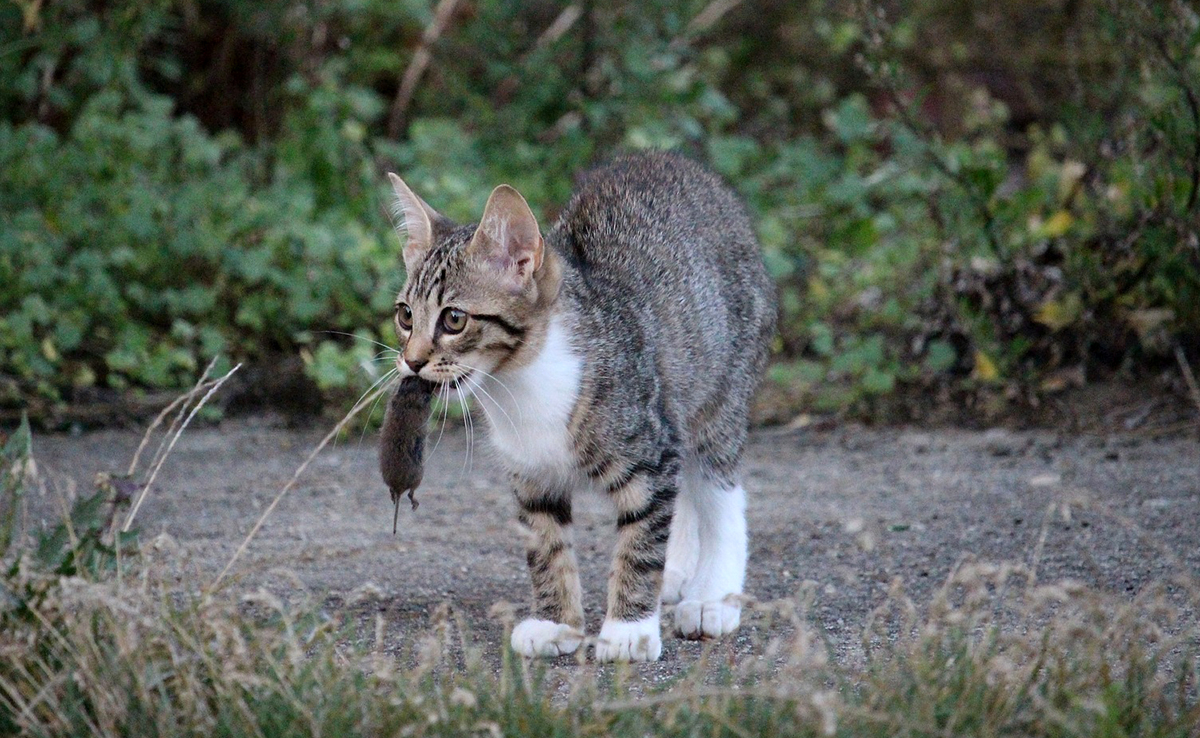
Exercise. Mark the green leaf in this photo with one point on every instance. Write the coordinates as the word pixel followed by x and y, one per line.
pixel 14 467
pixel 878 382
pixel 940 356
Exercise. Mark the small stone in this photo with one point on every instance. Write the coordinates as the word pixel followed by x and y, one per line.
pixel 1001 442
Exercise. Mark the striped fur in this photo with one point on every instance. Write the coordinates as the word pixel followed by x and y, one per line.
pixel 617 350
pixel 545 515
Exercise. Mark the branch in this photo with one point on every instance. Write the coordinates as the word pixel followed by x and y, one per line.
pixel 705 20
pixel 924 133
pixel 557 29
pixel 1193 107
pixel 212 389
pixel 417 66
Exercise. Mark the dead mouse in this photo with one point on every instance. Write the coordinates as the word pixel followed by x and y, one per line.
pixel 402 440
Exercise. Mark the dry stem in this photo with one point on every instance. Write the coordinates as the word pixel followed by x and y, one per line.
pixel 184 398
pixel 366 399
pixel 163 456
pixel 1188 376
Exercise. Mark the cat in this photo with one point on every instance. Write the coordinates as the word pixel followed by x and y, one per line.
pixel 620 352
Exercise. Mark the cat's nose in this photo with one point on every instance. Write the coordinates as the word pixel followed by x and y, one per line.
pixel 416 364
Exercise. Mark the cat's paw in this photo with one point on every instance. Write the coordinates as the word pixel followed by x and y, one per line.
pixel 672 587
pixel 534 637
pixel 640 640
pixel 695 619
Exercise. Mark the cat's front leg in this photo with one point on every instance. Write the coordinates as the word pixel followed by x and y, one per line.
pixel 555 626
pixel 644 496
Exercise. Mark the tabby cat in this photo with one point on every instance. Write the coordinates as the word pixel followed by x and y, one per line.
pixel 619 352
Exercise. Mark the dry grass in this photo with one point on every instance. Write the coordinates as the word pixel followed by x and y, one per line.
pixel 98 640
pixel 102 658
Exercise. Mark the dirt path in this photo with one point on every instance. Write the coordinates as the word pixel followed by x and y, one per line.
pixel 840 513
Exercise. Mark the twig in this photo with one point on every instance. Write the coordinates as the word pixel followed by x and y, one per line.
pixel 1138 418
pixel 925 135
pixel 1164 430
pixel 1188 376
pixel 185 397
pixel 418 64
pixel 587 47
pixel 366 399
pixel 182 399
pixel 1189 96
pixel 159 453
pixel 556 30
pixel 704 20
pixel 158 465
pixel 1036 559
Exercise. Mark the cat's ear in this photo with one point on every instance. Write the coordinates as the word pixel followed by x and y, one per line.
pixel 508 236
pixel 418 221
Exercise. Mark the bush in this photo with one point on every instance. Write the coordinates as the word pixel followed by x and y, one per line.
pixel 183 180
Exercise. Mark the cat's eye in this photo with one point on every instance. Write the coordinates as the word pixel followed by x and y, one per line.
pixel 454 320
pixel 404 316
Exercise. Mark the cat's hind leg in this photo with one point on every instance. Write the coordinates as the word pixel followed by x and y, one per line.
pixel 710 602
pixel 683 548
pixel 710 605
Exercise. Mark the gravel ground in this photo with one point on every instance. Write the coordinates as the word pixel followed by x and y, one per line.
pixel 839 514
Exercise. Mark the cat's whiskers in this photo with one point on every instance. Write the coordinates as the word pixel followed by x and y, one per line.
pixel 473 386
pixel 444 401
pixel 466 406
pixel 516 431
pixel 494 378
pixel 360 338
pixel 371 411
pixel 371 389
pixel 685 241
pixel 386 355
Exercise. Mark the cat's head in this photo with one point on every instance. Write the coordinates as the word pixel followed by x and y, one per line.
pixel 476 298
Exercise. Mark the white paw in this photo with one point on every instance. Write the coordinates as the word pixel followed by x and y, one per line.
pixel 672 587
pixel 639 640
pixel 695 619
pixel 533 637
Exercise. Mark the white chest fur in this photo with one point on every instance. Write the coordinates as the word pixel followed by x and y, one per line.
pixel 529 408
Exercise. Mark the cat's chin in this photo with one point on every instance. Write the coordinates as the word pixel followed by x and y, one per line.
pixel 458 382
pixel 462 381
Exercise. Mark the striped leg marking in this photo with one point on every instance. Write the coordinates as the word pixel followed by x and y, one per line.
pixel 556 623
pixel 644 498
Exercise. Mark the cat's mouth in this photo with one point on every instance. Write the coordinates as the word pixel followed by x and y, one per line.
pixel 439 377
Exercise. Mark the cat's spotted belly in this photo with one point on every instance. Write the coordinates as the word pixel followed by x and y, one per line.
pixel 529 410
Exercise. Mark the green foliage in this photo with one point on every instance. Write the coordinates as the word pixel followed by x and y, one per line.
pixel 15 469
pixel 143 247
pixel 82 547
pixel 181 180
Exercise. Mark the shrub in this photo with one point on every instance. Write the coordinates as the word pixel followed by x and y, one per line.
pixel 182 180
